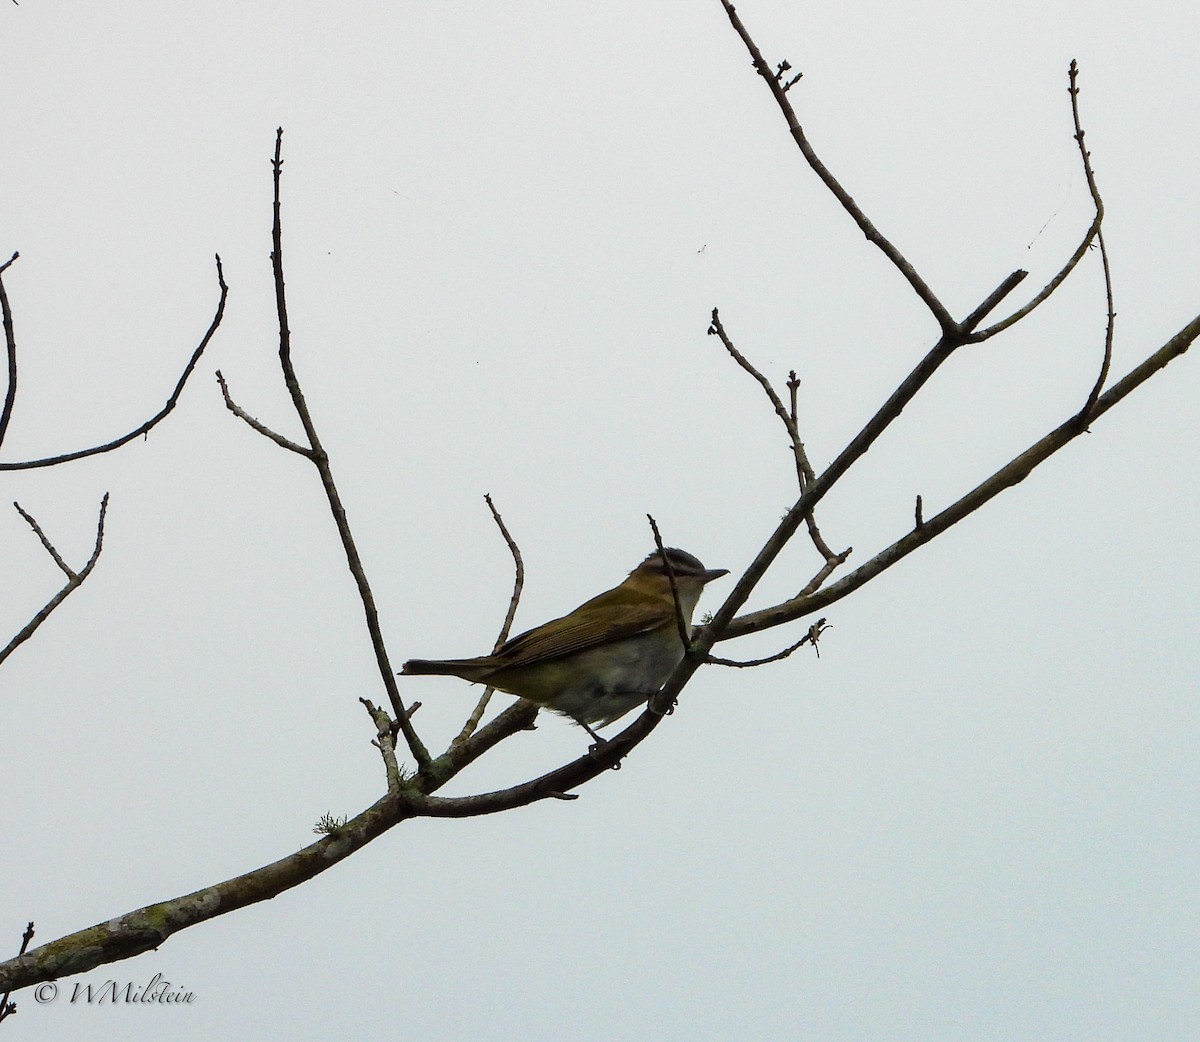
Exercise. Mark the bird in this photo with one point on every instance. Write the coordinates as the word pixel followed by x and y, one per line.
pixel 603 659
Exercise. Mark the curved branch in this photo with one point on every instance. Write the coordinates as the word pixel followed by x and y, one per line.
pixel 1090 175
pixel 472 721
pixel 10 343
pixel 1092 234
pixel 116 443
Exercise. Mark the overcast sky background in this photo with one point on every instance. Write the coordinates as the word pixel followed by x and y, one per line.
pixel 974 817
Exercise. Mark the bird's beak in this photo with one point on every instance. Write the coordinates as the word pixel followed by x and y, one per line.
pixel 714 573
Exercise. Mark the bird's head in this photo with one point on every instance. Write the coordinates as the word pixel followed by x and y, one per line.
pixel 651 576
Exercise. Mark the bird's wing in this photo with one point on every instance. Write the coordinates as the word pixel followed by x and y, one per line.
pixel 584 628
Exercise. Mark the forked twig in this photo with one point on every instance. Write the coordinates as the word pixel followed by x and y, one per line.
pixel 804 472
pixel 385 741
pixel 812 636
pixel 75 579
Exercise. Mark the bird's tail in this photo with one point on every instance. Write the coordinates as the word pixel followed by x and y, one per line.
pixel 467 668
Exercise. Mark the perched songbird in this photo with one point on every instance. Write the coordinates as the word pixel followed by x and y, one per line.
pixel 608 656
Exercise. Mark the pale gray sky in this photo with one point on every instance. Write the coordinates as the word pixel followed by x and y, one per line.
pixel 973 818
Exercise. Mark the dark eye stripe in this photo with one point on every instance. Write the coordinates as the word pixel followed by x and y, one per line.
pixel 682 563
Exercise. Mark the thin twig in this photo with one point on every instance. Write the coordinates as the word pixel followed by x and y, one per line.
pixel 804 471
pixel 680 622
pixel 74 579
pixel 472 722
pixel 37 529
pixel 518 572
pixel 7 1009
pixel 320 460
pixel 108 446
pixel 1086 156
pixel 10 343
pixel 717 329
pixel 812 636
pixel 872 233
pixel 1092 233
pixel 262 428
pixel 385 742
pixel 826 570
pixel 805 476
pixel 990 303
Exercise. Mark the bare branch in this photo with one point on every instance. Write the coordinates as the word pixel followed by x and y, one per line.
pixel 1086 156
pixel 518 585
pixel 848 204
pixel 551 785
pixel 518 572
pixel 320 459
pixel 804 476
pixel 820 486
pixel 146 928
pixel 1011 474
pixel 52 461
pixel 74 579
pixel 262 428
pixel 991 301
pixel 717 329
pixel 812 636
pixel 136 932
pixel 804 471
pixel 681 623
pixel 519 716
pixel 10 343
pixel 1093 233
pixel 826 570
pixel 37 529
pixel 7 1009
pixel 385 742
